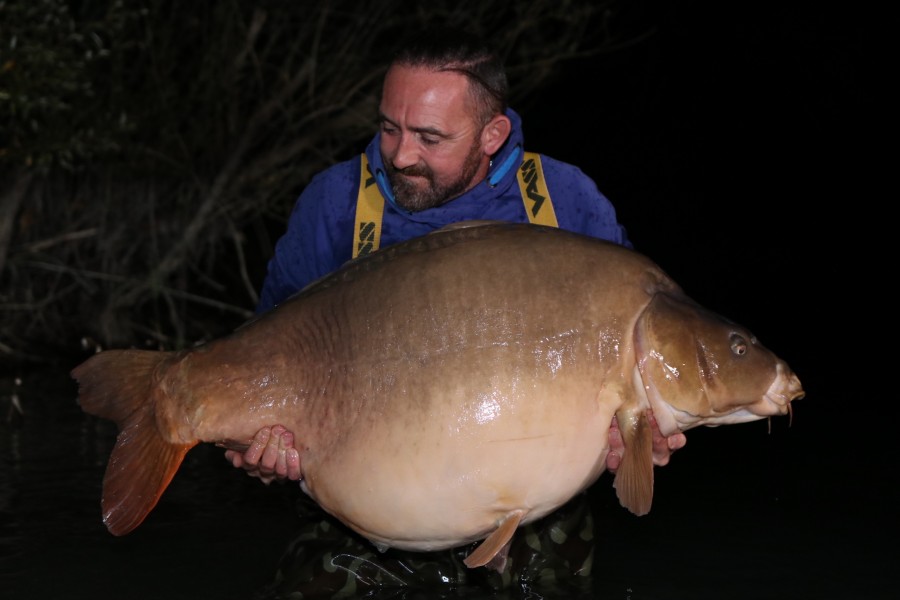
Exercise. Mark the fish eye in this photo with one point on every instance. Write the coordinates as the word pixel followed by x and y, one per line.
pixel 738 344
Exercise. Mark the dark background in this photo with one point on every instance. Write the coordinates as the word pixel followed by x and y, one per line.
pixel 735 143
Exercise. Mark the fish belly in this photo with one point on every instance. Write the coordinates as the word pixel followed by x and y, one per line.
pixel 433 473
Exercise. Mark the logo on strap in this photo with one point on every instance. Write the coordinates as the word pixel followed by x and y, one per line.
pixel 533 188
pixel 369 211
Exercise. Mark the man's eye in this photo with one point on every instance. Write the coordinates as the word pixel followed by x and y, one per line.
pixel 388 129
pixel 430 141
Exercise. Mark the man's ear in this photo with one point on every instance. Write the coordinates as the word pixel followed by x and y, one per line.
pixel 495 133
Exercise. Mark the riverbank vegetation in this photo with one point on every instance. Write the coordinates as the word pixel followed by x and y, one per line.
pixel 152 149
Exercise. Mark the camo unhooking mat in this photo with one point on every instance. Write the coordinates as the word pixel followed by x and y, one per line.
pixel 327 560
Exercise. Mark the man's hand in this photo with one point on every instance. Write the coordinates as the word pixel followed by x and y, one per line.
pixel 663 447
pixel 270 456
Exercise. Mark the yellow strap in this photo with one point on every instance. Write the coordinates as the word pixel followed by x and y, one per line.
pixel 534 191
pixel 370 203
pixel 369 211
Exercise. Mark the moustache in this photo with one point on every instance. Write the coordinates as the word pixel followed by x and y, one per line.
pixel 414 171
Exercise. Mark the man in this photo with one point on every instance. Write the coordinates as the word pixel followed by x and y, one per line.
pixel 448 149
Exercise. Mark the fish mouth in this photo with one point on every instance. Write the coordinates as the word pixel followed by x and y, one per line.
pixel 775 401
pixel 785 389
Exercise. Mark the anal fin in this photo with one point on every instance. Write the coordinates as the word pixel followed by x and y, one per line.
pixel 496 544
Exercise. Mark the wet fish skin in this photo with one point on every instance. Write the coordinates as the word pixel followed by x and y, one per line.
pixel 447 389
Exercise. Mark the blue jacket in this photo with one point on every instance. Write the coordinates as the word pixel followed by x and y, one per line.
pixel 320 233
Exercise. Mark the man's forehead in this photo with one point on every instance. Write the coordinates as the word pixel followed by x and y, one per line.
pixel 421 98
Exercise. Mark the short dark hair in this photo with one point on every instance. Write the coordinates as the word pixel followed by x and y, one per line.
pixel 450 49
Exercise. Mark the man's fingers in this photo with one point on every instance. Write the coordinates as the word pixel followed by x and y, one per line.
pixel 292 458
pixel 270 456
pixel 664 446
pixel 285 441
pixel 288 463
pixel 613 460
pixel 676 441
pixel 257 447
pixel 235 458
pixel 616 446
pixel 269 459
pixel 280 460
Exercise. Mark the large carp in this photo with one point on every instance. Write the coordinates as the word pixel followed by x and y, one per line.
pixel 447 389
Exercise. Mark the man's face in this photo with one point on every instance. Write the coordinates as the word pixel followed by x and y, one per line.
pixel 430 140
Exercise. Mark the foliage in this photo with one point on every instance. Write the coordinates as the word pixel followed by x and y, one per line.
pixel 152 149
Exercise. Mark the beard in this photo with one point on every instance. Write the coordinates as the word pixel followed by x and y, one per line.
pixel 411 196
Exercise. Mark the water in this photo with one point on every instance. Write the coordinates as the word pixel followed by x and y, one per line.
pixel 741 512
pixel 216 534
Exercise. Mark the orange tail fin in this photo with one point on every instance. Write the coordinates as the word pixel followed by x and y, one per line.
pixel 118 385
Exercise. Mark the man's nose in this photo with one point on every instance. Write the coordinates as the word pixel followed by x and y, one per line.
pixel 407 154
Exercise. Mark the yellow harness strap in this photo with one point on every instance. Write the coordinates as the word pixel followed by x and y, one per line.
pixel 370 202
pixel 369 211
pixel 533 188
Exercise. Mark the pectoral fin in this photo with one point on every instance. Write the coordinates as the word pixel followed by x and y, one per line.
pixel 634 477
pixel 496 544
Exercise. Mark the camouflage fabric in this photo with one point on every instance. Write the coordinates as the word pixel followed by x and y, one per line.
pixel 327 560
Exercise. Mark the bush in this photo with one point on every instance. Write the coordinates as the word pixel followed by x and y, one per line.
pixel 153 149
